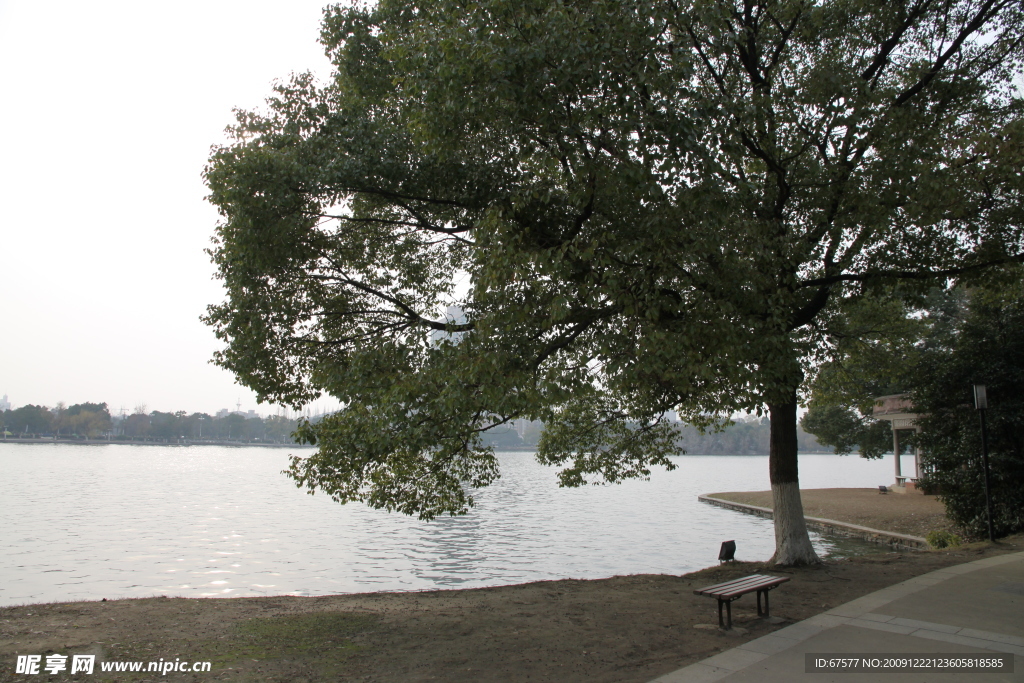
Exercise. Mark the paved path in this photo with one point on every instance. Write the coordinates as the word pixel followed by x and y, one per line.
pixel 976 607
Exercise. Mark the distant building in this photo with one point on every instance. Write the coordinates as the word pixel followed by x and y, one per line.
pixel 5 404
pixel 453 315
pixel 247 414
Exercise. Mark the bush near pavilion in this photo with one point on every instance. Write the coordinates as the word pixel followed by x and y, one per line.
pixel 987 347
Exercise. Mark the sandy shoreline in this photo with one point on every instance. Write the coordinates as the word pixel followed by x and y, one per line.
pixel 911 513
pixel 628 628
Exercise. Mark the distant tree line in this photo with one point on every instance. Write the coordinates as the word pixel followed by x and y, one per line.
pixel 93 421
pixel 742 437
pixel 85 420
pixel 159 426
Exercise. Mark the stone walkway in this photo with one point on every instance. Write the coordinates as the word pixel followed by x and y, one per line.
pixel 973 608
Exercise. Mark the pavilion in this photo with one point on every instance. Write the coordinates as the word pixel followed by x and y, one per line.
pixel 898 410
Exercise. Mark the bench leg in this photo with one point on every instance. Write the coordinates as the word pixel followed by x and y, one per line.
pixel 766 612
pixel 727 624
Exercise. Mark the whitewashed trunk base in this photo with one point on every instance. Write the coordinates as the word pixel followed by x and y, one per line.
pixel 792 545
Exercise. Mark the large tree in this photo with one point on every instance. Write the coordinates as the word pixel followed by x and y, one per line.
pixel 638 207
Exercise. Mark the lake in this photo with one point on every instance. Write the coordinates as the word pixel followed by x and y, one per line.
pixel 84 522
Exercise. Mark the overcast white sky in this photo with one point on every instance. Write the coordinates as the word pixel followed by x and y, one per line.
pixel 108 109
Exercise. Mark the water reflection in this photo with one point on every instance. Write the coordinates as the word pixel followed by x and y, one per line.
pixel 87 522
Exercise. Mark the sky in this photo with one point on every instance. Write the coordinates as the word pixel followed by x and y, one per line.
pixel 108 110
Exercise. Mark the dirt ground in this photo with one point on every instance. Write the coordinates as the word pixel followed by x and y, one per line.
pixel 906 513
pixel 624 629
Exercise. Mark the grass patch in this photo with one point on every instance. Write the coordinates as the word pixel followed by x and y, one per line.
pixel 291 636
pixel 316 644
pixel 311 643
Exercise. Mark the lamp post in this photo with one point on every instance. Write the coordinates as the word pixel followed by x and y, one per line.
pixel 981 403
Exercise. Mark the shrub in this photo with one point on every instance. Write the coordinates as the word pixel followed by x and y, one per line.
pixel 942 539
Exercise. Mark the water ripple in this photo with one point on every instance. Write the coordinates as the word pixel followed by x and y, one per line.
pixel 90 522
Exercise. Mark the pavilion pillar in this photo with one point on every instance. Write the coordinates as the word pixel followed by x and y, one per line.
pixel 917 456
pixel 896 451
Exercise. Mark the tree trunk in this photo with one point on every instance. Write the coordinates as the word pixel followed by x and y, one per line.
pixel 792 544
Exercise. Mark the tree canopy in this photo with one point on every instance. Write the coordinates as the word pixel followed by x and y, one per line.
pixel 876 344
pixel 638 206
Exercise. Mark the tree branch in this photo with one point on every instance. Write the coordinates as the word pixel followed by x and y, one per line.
pixel 408 310
pixel 984 14
pixel 886 48
pixel 907 274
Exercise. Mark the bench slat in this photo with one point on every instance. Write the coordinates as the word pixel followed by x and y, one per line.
pixel 747 579
pixel 739 587
pixel 753 584
pixel 739 593
pixel 742 590
pixel 739 583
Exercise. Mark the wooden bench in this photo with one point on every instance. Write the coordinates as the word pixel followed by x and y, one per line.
pixel 734 590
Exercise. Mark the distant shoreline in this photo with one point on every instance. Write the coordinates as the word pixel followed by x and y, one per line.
pixel 182 444
pixel 257 444
pixel 254 444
